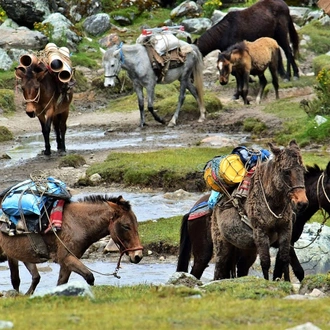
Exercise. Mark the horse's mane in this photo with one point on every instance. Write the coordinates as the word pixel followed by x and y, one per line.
pixel 313 170
pixel 105 198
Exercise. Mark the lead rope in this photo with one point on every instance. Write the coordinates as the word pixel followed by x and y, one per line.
pixel 115 273
pixel 325 218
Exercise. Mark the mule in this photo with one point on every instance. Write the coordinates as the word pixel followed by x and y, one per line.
pixel 265 18
pixel 48 99
pixel 250 58
pixel 84 222
pixel 196 239
pixel 135 61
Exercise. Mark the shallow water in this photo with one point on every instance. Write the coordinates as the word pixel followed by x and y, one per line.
pixel 130 274
pixel 157 204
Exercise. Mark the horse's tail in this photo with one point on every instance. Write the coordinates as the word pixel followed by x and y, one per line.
pixel 294 38
pixel 198 81
pixel 280 66
pixel 185 246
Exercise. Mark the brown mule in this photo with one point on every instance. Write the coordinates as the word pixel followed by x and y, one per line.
pixel 84 222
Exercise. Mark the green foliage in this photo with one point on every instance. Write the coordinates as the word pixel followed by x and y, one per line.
pixel 151 169
pixel 210 6
pixel 7 79
pixel 5 134
pixel 322 90
pixel 72 161
pixel 251 288
pixel 7 103
pixel 167 307
pixel 45 28
pixel 254 126
pixel 163 230
pixel 3 15
pixel 319 37
pixel 321 62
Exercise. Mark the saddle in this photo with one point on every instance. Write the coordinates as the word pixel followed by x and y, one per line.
pixel 162 63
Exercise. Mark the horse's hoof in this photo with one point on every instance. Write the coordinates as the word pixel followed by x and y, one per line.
pixel 171 124
pixel 47 152
pixel 296 78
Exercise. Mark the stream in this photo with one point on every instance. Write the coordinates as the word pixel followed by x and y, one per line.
pixel 158 204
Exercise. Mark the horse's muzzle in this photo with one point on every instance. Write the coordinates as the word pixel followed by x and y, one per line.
pixel 223 81
pixel 299 199
pixel 135 256
pixel 31 114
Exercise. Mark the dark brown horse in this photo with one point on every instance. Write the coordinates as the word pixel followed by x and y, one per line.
pixel 250 58
pixel 47 98
pixel 265 18
pixel 195 235
pixel 84 222
pixel 198 235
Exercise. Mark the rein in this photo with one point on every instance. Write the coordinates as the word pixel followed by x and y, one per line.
pixel 43 110
pixel 115 273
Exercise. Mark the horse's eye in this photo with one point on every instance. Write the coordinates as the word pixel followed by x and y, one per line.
pixel 126 227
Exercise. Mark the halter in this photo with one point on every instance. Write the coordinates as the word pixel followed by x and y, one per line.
pixel 279 216
pixel 121 60
pixel 35 100
pixel 125 250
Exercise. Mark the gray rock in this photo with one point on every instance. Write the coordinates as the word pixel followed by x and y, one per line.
pixel 97 24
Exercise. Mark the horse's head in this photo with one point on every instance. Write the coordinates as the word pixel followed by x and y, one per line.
pixel 31 78
pixel 225 67
pixel 291 171
pixel 112 60
pixel 124 230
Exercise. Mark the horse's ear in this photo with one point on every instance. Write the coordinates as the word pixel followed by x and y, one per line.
pixel 293 143
pixel 116 52
pixel 275 150
pixel 20 72
pixel 328 169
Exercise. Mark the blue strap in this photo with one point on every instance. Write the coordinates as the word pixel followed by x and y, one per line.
pixel 122 57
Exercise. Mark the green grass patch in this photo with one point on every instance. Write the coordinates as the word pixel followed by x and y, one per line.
pixel 163 230
pixel 319 37
pixel 72 161
pixel 242 302
pixel 5 134
pixel 167 169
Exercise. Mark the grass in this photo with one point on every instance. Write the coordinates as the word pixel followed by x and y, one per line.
pixel 260 305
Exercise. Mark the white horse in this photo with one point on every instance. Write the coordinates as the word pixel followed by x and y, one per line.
pixel 135 60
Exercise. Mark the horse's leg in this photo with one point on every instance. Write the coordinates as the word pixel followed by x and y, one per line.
pixel 202 246
pixel 182 96
pixel 283 43
pixel 140 96
pixel 273 72
pixel 263 245
pixel 32 268
pixel 283 254
pixel 295 264
pixel 185 246
pixel 262 85
pixel 223 251
pixel 14 273
pixel 244 86
pixel 151 98
pixel 60 127
pixel 72 264
pixel 45 127
pixel 193 90
pixel 245 260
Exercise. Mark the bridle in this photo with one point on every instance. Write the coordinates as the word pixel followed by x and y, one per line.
pixel 290 189
pixel 120 62
pixel 123 251
pixel 35 100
